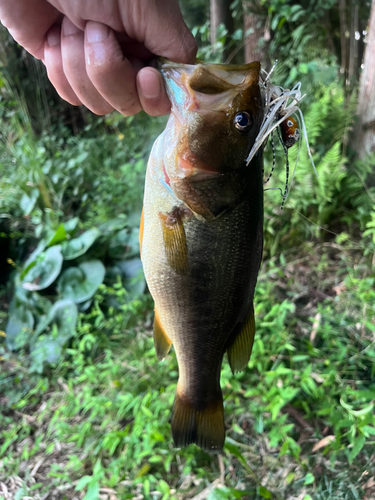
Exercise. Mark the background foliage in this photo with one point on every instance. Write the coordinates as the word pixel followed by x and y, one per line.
pixel 85 405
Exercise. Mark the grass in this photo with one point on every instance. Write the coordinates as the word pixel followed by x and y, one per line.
pixel 98 424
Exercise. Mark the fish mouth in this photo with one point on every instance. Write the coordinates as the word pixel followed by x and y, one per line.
pixel 210 78
pixel 191 166
pixel 205 86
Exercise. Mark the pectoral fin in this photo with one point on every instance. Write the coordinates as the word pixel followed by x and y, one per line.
pixel 161 340
pixel 241 342
pixel 175 241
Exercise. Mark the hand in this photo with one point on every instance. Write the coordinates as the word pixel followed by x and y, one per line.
pixel 97 53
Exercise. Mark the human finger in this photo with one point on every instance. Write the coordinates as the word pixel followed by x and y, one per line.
pixel 73 60
pixel 111 73
pixel 151 92
pixel 53 62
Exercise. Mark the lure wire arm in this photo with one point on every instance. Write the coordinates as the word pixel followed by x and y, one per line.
pixel 286 191
pixel 273 159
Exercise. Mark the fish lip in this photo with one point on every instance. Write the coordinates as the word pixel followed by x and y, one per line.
pixel 190 165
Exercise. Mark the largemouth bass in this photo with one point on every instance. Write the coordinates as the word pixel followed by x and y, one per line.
pixel 201 236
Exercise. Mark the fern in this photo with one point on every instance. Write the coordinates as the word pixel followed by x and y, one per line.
pixel 331 171
pixel 337 195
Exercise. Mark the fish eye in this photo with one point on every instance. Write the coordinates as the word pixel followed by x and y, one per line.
pixel 243 122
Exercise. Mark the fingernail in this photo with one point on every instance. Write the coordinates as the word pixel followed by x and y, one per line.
pixel 150 86
pixel 96 32
pixel 53 38
pixel 69 28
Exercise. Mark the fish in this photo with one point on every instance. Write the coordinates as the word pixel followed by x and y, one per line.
pixel 201 236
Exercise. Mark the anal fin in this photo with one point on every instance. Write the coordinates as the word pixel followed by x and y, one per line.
pixel 202 426
pixel 241 342
pixel 175 241
pixel 161 340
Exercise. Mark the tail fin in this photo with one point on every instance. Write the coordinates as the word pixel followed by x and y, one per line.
pixel 203 426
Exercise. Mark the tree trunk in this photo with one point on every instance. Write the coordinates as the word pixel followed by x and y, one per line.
pixel 343 40
pixel 220 14
pixel 257 36
pixel 365 137
pixel 353 46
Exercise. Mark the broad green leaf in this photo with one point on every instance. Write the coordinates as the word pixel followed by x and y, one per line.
pixel 163 486
pixel 27 202
pixel 357 413
pixel 58 237
pixel 21 494
pixel 218 494
pixel 46 349
pixel 134 280
pixel 119 244
pixel 300 357
pixel 19 327
pixel 37 303
pixel 83 306
pixel 84 481
pixel 124 244
pixel 369 429
pixel 309 478
pixel 31 260
pixel 370 326
pixel 92 492
pixel 258 425
pixel 264 493
pixel 33 301
pixel 146 487
pixel 71 225
pixel 359 441
pixel 46 269
pixel 80 283
pixel 232 448
pixel 78 246
pixel 133 243
pixel 134 219
pixel 225 493
pixel 64 315
pixel 112 225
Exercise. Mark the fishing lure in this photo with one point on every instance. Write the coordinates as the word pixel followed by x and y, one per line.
pixel 280 106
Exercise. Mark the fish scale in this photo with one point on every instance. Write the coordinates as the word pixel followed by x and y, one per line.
pixel 201 267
